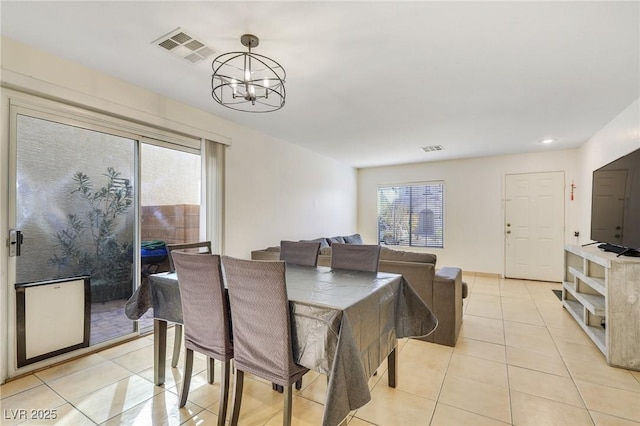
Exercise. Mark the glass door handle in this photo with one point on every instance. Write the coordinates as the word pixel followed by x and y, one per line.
pixel 15 242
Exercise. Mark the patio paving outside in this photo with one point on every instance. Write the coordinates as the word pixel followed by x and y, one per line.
pixel 108 321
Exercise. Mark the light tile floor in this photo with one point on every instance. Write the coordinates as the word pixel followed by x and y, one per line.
pixel 520 359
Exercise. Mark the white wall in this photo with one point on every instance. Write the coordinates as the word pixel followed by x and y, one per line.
pixel 273 189
pixel 474 202
pixel 619 137
pixel 279 191
pixel 474 206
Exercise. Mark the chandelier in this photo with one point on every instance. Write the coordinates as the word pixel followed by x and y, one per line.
pixel 246 81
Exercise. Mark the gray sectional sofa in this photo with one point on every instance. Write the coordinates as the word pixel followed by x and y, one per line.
pixel 442 290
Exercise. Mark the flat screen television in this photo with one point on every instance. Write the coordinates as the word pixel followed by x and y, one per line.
pixel 615 205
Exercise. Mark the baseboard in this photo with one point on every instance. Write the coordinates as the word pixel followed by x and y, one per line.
pixel 482 274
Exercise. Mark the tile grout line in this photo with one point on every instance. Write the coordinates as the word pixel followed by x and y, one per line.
pixel 506 357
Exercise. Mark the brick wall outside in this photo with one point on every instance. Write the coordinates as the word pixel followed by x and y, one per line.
pixel 173 224
pixel 178 223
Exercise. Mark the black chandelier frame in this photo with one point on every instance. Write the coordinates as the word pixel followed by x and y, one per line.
pixel 247 81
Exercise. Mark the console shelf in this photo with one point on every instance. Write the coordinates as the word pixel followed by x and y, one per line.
pixel 600 291
pixel 596 333
pixel 591 302
pixel 595 283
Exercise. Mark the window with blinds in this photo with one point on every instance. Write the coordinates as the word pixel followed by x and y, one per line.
pixel 411 215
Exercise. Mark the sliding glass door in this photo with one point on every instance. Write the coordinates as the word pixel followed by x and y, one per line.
pixel 170 188
pixel 91 199
pixel 75 211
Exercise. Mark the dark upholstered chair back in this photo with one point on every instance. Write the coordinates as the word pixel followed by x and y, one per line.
pixel 205 309
pixel 261 319
pixel 198 247
pixel 206 320
pixel 300 252
pixel 356 257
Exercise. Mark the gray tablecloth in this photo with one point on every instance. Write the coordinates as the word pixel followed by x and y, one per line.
pixel 346 323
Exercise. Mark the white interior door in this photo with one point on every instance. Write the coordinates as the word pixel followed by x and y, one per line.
pixel 534 226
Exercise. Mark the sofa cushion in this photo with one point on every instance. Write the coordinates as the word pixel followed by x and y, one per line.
pixel 323 241
pixel 276 248
pixel 352 239
pixel 336 240
pixel 407 256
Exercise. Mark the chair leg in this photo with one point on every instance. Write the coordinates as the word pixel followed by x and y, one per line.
pixel 237 397
pixel 299 384
pixel 177 342
pixel 224 393
pixel 286 416
pixel 186 379
pixel 210 370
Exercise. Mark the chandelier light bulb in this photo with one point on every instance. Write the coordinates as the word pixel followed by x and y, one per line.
pixel 234 86
pixel 265 83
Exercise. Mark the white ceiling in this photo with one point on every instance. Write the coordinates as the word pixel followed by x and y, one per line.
pixel 370 83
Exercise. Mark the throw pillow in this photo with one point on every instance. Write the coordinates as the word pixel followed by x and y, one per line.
pixel 336 240
pixel 323 241
pixel 353 239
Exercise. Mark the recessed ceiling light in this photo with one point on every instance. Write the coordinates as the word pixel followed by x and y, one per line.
pixel 546 141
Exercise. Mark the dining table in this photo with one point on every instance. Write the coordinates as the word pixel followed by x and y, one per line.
pixel 345 323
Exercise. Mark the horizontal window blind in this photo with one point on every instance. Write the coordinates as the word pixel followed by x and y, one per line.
pixel 411 215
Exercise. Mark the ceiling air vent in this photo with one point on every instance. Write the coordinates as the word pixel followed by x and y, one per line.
pixel 184 45
pixel 432 148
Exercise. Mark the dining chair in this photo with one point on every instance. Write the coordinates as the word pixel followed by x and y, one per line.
pixel 200 247
pixel 359 257
pixel 300 252
pixel 356 257
pixel 206 319
pixel 261 327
